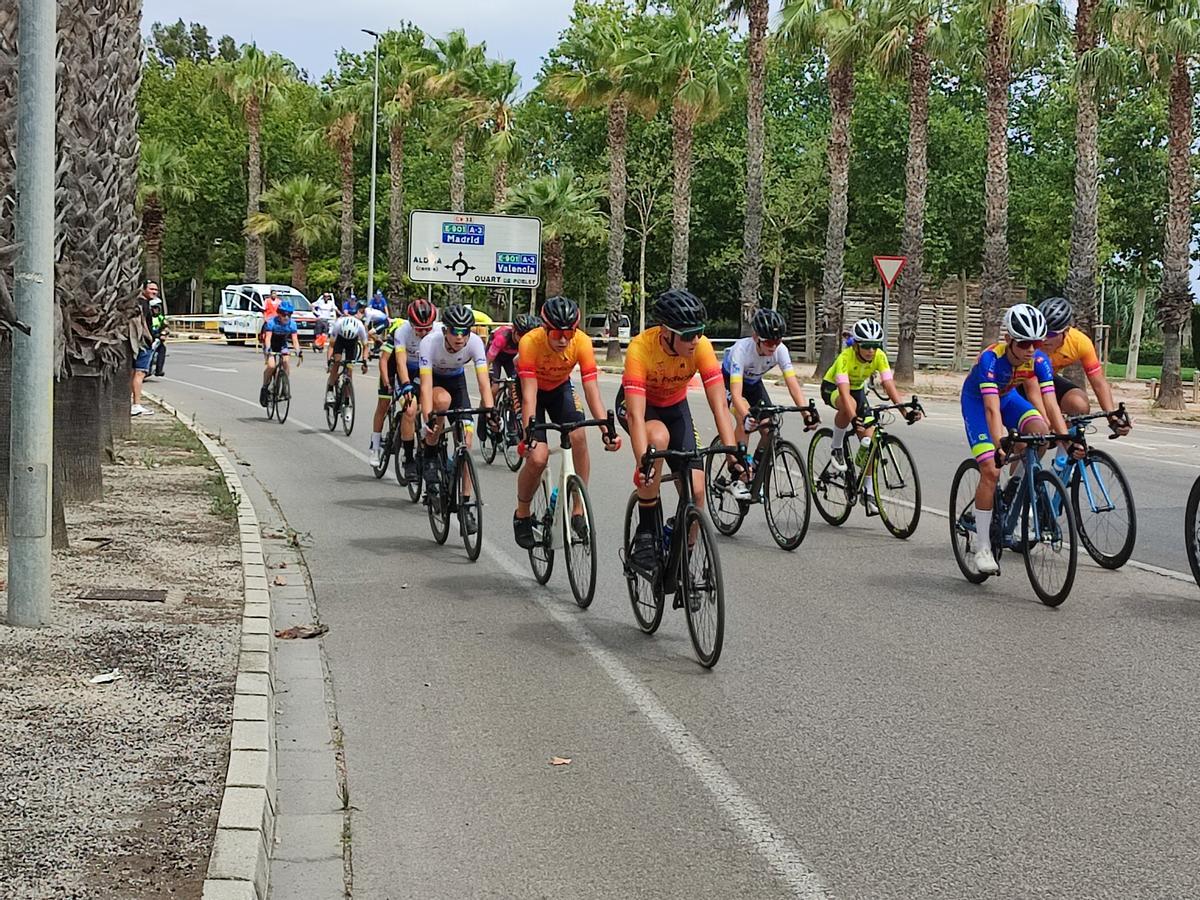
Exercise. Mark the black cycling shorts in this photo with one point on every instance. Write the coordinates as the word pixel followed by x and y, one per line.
pixel 503 363
pixel 753 392
pixel 1062 387
pixel 384 393
pixel 560 404
pixel 680 427
pixel 346 348
pixel 829 394
pixel 456 387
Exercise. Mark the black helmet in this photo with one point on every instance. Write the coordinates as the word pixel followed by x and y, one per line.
pixel 525 323
pixel 458 318
pixel 1058 312
pixel 680 310
pixel 560 312
pixel 768 325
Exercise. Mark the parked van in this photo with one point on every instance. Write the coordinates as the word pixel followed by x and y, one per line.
pixel 596 327
pixel 242 310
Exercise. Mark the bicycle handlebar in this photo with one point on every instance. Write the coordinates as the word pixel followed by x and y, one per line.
pixel 1120 414
pixel 451 414
pixel 609 424
pixel 651 455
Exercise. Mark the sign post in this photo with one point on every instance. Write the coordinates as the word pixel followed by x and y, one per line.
pixel 889 268
pixel 474 249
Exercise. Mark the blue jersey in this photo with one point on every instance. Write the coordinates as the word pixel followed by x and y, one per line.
pixel 280 331
pixel 995 374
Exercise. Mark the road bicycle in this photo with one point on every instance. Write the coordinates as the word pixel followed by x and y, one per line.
pixel 391 436
pixel 1030 515
pixel 342 407
pixel 508 433
pixel 562 514
pixel 780 482
pixel 895 487
pixel 688 564
pixel 457 489
pixel 279 391
pixel 1191 529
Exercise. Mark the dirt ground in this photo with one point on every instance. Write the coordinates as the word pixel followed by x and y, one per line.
pixel 112 790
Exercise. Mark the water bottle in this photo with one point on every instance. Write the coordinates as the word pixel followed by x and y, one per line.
pixel 1061 462
pixel 553 500
pixel 666 537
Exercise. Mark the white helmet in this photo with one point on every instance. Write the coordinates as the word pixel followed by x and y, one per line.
pixel 867 331
pixel 348 327
pixel 1025 323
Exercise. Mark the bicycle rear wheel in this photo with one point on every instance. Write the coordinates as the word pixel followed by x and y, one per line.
pixel 1049 538
pixel 469 505
pixel 897 487
pixel 645 594
pixel 487 444
pixel 702 587
pixel 963 538
pixel 828 486
pixel 786 497
pixel 541 554
pixel 511 423
pixel 439 502
pixel 727 513
pixel 579 542
pixel 1191 529
pixel 348 407
pixel 271 396
pixel 283 396
pixel 332 410
pixel 385 451
pixel 1104 509
pixel 416 485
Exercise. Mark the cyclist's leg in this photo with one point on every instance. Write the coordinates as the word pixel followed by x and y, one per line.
pixel 383 399
pixel 1072 399
pixel 756 395
pixel 657 436
pixel 979 438
pixel 408 419
pixel 536 460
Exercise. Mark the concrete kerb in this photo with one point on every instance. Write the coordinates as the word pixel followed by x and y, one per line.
pixel 240 863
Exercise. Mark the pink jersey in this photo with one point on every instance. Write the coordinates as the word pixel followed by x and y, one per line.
pixel 503 343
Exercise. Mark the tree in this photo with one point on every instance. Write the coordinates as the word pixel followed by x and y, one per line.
pixel 303 209
pixel 567 210
pixel 253 82
pixel 498 83
pixel 163 180
pixel 340 127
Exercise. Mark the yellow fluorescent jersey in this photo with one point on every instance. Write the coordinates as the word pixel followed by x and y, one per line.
pixel 850 370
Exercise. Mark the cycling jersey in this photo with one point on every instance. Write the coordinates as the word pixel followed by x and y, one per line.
pixel 662 378
pixel 849 368
pixel 742 362
pixel 995 374
pixel 503 343
pixel 376 320
pixel 437 359
pixel 280 333
pixel 1076 347
pixel 405 342
pixel 537 359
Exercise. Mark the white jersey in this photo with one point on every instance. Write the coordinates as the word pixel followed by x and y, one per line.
pixel 345 323
pixel 437 359
pixel 325 309
pixel 404 341
pixel 742 362
pixel 375 319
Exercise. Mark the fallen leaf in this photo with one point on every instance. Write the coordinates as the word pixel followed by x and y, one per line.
pixel 427 684
pixel 106 677
pixel 280 581
pixel 302 631
pixel 559 761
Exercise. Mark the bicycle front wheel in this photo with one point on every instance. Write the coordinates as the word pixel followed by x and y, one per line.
pixel 283 396
pixel 1191 529
pixel 703 589
pixel 1049 539
pixel 964 539
pixel 439 504
pixel 829 492
pixel 348 407
pixel 541 554
pixel 727 512
pixel 786 497
pixel 271 396
pixel 470 506
pixel 511 423
pixel 645 594
pixel 897 487
pixel 332 412
pixel 579 540
pixel 385 451
pixel 1104 509
pixel 417 482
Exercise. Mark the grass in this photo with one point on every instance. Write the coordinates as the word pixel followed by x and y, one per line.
pixel 1144 373
pixel 174 437
pixel 221 502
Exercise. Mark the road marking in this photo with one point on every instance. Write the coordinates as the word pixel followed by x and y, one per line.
pixel 745 814
pixel 209 369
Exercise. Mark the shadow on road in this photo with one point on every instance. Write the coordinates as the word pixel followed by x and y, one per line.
pixel 392 544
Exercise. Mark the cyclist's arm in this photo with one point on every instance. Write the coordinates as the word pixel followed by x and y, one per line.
pixel 485 385
pixel 590 375
pixel 740 407
pixel 591 395
pixel 794 390
pixel 528 400
pixel 635 418
pixel 426 388
pixel 402 364
pixel 384 376
pixel 1103 390
pixel 296 341
pixel 995 421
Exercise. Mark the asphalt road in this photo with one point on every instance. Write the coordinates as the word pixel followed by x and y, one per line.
pixel 876 727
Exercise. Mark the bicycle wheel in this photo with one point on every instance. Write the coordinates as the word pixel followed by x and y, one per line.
pixel 963 538
pixel 703 589
pixel 333 411
pixel 1191 529
pixel 283 396
pixel 416 485
pixel 469 505
pixel 541 554
pixel 512 424
pixel 439 503
pixel 897 487
pixel 828 487
pixel 786 497
pixel 385 451
pixel 1104 510
pixel 727 513
pixel 1049 538
pixel 487 444
pixel 348 407
pixel 579 542
pixel 271 398
pixel 645 595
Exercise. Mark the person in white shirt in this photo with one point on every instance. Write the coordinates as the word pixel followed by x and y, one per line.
pixel 326 311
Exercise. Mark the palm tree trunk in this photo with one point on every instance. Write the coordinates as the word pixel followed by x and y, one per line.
pixel 346 258
pixel 683 126
pixel 153 226
pixel 255 258
pixel 1175 300
pixel 458 191
pixel 916 181
pixel 397 253
pixel 644 239
pixel 755 143
pixel 618 133
pixel 994 288
pixel 1081 269
pixel 841 101
pixel 299 254
pixel 499 190
pixel 555 264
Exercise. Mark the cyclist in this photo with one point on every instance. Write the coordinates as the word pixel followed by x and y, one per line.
pixel 281 337
pixel 443 385
pixel 387 378
pixel 502 353
pixel 991 406
pixel 547 357
pixel 843 388
pixel 349 346
pixel 158 331
pixel 405 345
pixel 1066 345
pixel 652 404
pixel 377 323
pixel 743 368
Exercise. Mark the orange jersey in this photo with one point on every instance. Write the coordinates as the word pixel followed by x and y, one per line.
pixel 537 359
pixel 1076 347
pixel 663 378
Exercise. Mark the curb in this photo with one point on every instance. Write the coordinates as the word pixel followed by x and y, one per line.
pixel 240 863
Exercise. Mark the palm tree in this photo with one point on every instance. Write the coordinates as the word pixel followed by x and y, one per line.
pixel 566 209
pixel 163 179
pixel 1166 33
pixel 254 82
pixel 1081 265
pixel 303 208
pixel 340 126
pixel 498 83
pixel 842 29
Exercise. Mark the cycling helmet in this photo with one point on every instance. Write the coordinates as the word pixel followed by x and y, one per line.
pixel 422 313
pixel 458 319
pixel 1058 312
pixel 285 308
pixel 680 310
pixel 1025 323
pixel 867 331
pixel 347 327
pixel 560 312
pixel 525 323
pixel 768 325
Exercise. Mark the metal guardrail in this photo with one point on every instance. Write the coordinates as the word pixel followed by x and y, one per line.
pixel 194 323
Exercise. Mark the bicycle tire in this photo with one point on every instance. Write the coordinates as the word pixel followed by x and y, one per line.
pixel 333 410
pixel 890 450
pixel 385 449
pixel 963 538
pixel 1046 480
pixel 790 490
pixel 541 554
pixel 705 614
pixel 646 595
pixel 828 488
pixel 417 485
pixel 283 396
pixel 511 423
pixel 271 397
pixel 487 445
pixel 1079 496
pixel 464 470
pixel 727 513
pixel 348 407
pixel 1191 530
pixel 439 503
pixel 581 567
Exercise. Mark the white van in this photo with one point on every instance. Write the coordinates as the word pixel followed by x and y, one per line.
pixel 596 327
pixel 242 311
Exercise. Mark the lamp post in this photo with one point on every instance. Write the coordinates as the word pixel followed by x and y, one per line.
pixel 374 132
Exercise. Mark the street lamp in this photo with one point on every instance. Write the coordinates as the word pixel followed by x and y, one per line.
pixel 374 130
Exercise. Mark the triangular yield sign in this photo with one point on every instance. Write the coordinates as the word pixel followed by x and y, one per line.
pixel 889 268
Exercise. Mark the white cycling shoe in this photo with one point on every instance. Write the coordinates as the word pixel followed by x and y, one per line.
pixel 985 562
pixel 376 453
pixel 738 491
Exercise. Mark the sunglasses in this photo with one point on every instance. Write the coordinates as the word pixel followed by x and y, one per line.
pixel 560 334
pixel 1028 345
pixel 688 334
pixel 766 342
pixel 459 332
pixel 868 346
pixel 1051 335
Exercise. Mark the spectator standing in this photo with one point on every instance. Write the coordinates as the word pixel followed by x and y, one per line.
pixel 141 363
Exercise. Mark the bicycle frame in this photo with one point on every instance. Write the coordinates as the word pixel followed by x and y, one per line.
pixel 769 433
pixel 1065 473
pixel 857 477
pixel 566 468
pixel 1030 464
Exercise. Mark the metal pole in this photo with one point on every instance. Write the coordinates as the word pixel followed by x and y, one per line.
pixel 374 132
pixel 32 413
pixel 887 296
pixel 510 304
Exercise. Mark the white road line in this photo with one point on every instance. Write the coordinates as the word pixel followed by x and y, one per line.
pixel 742 811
